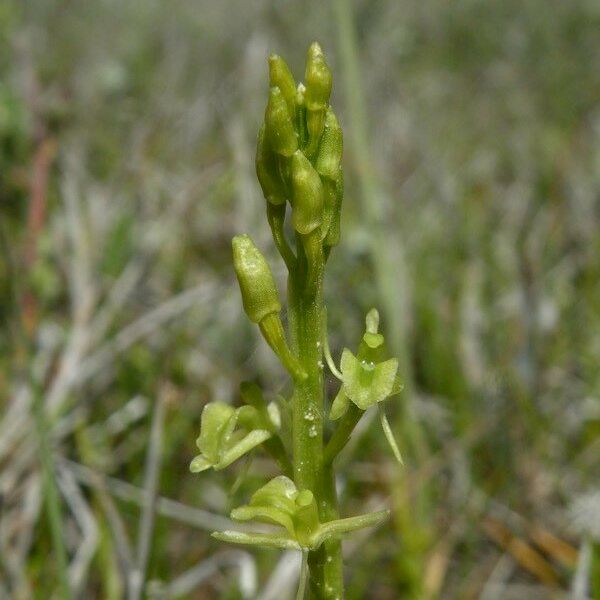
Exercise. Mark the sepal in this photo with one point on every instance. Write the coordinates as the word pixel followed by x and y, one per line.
pixel 268 540
pixel 366 383
pixel 340 405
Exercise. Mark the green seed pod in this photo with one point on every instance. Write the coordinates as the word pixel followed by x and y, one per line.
pixel 317 79
pixel 307 195
pixel 329 155
pixel 259 293
pixel 279 127
pixel 281 77
pixel 272 185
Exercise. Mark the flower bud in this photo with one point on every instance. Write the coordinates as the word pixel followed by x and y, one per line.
pixel 261 300
pixel 315 120
pixel 317 79
pixel 329 155
pixel 329 205
pixel 279 127
pixel 333 212
pixel 272 185
pixel 281 77
pixel 259 293
pixel 301 116
pixel 307 195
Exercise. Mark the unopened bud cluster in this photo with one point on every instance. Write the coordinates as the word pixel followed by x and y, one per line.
pixel 298 161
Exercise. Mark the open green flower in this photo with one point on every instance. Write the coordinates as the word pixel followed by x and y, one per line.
pixel 279 502
pixel 227 433
pixel 366 378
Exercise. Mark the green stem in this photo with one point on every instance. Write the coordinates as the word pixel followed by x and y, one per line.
pixel 306 334
pixel 342 433
pixel 276 218
pixel 303 577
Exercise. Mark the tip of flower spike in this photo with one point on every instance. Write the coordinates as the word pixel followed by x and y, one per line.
pixel 372 321
pixel 315 51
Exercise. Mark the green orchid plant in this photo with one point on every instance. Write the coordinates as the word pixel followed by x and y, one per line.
pixel 298 165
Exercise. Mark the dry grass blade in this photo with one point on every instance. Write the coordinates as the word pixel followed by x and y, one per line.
pixel 151 477
pixel 142 327
pixel 523 553
pixel 283 577
pixel 187 582
pixel 580 586
pixel 164 506
pixel 84 516
pixel 558 549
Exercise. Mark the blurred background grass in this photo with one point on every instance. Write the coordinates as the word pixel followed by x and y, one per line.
pixel 471 220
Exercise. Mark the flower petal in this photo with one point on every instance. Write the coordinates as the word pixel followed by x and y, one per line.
pixel 247 443
pixel 199 464
pixel 264 514
pixel 271 540
pixel 339 406
pixel 215 418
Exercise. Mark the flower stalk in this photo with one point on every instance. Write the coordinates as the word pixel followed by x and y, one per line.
pixel 299 163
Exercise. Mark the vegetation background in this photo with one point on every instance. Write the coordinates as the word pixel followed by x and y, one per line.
pixel 471 219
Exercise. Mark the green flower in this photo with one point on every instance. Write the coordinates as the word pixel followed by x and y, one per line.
pixel 280 503
pixel 366 378
pixel 227 433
